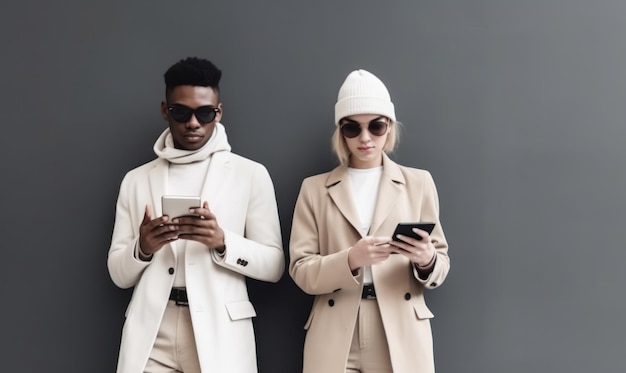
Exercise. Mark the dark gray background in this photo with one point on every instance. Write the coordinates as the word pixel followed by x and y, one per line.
pixel 516 107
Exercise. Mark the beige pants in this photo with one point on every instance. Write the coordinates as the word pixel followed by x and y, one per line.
pixel 175 346
pixel 369 352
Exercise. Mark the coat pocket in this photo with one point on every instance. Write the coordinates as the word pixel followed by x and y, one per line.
pixel 240 310
pixel 422 311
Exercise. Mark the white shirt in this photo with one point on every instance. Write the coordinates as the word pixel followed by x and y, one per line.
pixel 364 184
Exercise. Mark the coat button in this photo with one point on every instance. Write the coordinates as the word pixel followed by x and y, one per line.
pixel 407 296
pixel 331 302
pixel 171 271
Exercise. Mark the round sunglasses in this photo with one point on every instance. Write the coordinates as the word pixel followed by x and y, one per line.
pixel 376 127
pixel 182 114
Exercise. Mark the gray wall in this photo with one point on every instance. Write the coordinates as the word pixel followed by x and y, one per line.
pixel 516 107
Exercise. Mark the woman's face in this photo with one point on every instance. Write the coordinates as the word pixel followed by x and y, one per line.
pixel 370 133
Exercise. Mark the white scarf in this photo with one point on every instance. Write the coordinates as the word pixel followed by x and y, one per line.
pixel 164 147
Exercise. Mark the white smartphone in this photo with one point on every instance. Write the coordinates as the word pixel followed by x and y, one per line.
pixel 176 206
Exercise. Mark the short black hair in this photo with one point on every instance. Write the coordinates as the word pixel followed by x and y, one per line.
pixel 193 71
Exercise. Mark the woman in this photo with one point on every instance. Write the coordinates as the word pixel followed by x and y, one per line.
pixel 369 313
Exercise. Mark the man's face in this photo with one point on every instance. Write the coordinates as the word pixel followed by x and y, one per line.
pixel 191 132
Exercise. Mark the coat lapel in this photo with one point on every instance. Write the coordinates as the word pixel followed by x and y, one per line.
pixel 212 188
pixel 391 184
pixel 219 169
pixel 338 185
pixel 158 187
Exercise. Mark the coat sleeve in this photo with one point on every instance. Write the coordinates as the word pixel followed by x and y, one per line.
pixel 313 272
pixel 430 212
pixel 258 253
pixel 124 268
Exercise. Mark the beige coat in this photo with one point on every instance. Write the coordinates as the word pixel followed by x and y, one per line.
pixel 325 225
pixel 241 194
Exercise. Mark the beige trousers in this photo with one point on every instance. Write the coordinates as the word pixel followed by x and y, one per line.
pixel 369 352
pixel 175 346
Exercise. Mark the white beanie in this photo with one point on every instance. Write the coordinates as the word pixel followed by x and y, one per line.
pixel 363 93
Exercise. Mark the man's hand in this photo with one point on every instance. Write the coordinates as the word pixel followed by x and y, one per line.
pixel 202 228
pixel 154 233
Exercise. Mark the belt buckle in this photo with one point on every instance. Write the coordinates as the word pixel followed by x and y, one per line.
pixel 180 297
pixel 369 292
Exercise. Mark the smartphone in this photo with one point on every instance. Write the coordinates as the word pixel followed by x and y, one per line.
pixel 406 229
pixel 176 206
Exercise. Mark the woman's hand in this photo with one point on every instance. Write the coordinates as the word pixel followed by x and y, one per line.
pixel 421 252
pixel 368 251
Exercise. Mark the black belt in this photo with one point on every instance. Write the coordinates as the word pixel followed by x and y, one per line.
pixel 180 296
pixel 368 292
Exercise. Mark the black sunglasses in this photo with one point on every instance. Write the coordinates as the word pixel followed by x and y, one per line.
pixel 182 113
pixel 376 127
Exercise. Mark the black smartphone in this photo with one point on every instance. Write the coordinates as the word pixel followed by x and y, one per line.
pixel 406 229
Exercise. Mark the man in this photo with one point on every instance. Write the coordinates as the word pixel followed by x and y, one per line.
pixel 190 310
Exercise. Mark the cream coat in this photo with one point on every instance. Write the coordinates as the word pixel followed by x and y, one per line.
pixel 325 225
pixel 241 194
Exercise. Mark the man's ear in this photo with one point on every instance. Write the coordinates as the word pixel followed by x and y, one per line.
pixel 164 111
pixel 218 117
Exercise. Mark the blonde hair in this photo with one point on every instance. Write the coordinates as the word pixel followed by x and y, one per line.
pixel 340 148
